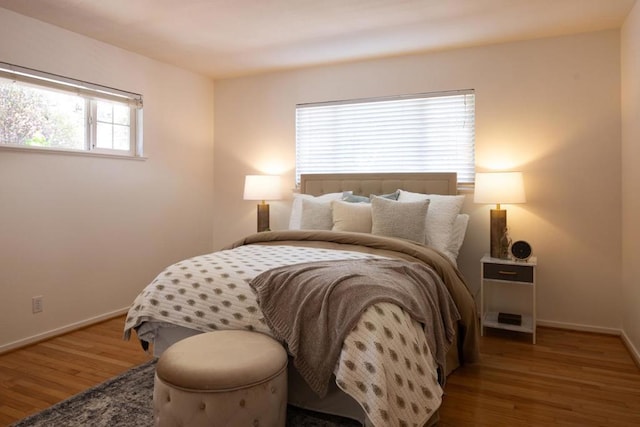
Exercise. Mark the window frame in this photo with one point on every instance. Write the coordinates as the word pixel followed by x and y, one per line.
pixel 91 93
pixel 332 115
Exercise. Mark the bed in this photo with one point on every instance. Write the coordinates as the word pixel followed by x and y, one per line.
pixel 390 368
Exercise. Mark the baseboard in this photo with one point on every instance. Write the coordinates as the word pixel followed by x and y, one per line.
pixel 60 331
pixel 633 351
pixel 635 354
pixel 579 327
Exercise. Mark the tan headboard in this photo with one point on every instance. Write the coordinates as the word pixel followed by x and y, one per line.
pixel 379 183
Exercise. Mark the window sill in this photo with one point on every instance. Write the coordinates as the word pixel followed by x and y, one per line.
pixel 44 150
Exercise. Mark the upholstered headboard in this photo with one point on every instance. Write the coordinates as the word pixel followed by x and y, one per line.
pixel 379 183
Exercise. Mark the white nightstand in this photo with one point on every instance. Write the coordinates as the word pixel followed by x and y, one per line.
pixel 508 287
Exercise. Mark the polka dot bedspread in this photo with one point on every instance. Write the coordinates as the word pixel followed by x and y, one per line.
pixel 385 363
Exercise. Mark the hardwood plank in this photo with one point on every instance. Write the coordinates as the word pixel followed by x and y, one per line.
pixel 35 377
pixel 568 379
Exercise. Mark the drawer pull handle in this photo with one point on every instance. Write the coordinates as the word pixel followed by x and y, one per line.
pixel 508 273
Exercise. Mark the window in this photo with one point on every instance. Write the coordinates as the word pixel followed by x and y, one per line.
pixel 432 132
pixel 45 111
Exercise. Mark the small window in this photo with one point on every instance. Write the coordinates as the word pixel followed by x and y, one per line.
pixel 44 111
pixel 432 132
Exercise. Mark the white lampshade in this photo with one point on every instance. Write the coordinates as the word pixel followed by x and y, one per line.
pixel 499 187
pixel 262 187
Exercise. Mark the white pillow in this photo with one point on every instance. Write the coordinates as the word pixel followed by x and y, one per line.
pixel 394 219
pixel 441 216
pixel 295 220
pixel 348 216
pixel 457 237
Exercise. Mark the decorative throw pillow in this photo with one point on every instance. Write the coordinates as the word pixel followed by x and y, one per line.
pixel 316 215
pixel 295 220
pixel 394 219
pixel 391 196
pixel 351 216
pixel 443 211
pixel 353 198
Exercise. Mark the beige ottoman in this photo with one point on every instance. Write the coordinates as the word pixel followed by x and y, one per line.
pixel 222 379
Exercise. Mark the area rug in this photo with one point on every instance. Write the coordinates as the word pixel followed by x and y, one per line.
pixel 126 401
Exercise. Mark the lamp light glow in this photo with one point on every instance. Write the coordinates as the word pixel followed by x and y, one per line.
pixel 262 187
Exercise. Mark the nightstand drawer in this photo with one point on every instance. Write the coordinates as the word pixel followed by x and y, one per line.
pixel 514 273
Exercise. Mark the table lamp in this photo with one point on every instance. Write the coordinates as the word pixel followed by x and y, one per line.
pixel 262 187
pixel 498 187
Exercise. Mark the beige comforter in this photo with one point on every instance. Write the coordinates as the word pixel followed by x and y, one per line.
pixel 380 371
pixel 468 331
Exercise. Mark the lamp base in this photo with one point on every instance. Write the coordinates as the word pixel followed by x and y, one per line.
pixel 498 224
pixel 263 217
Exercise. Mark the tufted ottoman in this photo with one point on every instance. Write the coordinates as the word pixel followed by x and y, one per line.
pixel 222 379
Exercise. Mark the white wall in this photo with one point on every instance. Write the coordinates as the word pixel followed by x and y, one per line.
pixel 550 108
pixel 631 177
pixel 89 233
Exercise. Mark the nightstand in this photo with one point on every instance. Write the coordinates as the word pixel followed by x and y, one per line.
pixel 508 287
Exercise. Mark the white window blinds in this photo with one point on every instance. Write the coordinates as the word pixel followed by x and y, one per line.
pixel 432 132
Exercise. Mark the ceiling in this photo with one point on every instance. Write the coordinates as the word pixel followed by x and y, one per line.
pixel 226 38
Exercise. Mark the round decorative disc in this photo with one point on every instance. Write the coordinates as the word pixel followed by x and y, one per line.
pixel 521 250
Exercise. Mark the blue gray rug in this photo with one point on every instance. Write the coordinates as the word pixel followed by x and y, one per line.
pixel 126 401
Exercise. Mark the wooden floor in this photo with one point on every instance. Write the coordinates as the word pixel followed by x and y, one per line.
pixel 566 379
pixel 35 377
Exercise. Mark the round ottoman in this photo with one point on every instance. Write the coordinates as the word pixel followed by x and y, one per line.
pixel 222 379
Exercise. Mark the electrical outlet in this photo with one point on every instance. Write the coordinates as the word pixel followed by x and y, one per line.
pixel 36 304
